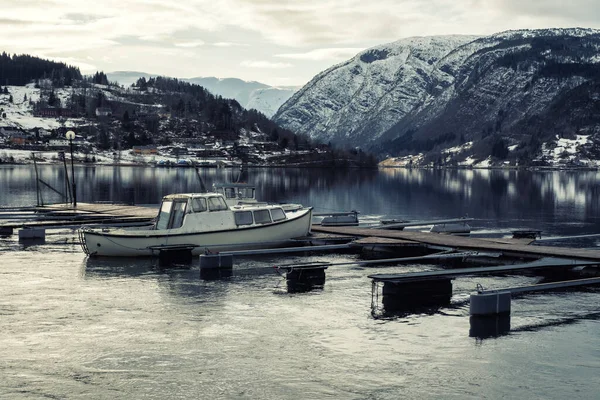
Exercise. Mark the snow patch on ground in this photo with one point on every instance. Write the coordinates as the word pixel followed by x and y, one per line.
pixel 564 150
pixel 458 149
pixel 19 113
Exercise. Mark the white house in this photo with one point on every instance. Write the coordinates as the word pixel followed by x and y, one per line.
pixel 58 142
pixel 103 112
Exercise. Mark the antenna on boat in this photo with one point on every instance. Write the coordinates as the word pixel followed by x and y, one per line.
pixel 243 175
pixel 202 185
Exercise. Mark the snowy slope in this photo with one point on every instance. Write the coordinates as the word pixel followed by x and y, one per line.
pixel 19 113
pixel 366 95
pixel 424 95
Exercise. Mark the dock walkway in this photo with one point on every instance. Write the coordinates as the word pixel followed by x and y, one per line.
pixel 85 213
pixel 509 247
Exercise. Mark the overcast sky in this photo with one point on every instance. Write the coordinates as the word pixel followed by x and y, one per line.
pixel 278 42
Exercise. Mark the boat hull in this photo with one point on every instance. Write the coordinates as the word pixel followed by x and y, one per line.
pixel 148 243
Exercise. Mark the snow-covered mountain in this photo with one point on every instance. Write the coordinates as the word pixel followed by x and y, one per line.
pixel 432 93
pixel 259 96
pixel 360 99
pixel 250 94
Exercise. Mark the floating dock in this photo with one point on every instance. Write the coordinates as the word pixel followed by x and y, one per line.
pixel 508 247
pixel 63 215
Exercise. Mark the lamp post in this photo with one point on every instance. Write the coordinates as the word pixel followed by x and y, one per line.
pixel 70 136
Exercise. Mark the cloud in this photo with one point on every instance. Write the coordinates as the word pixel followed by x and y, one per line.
pixel 335 53
pixel 196 43
pixel 264 64
pixel 578 11
pixel 229 44
pixel 135 32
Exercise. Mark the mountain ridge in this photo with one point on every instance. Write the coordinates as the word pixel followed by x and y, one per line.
pixel 428 94
pixel 250 94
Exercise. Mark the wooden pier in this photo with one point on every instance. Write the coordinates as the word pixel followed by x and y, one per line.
pixel 506 246
pixel 60 215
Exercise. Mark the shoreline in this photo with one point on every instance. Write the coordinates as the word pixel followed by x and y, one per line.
pixel 315 165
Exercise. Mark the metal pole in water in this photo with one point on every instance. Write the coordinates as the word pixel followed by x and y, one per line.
pixel 71 135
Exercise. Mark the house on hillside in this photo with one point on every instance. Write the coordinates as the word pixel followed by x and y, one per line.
pixel 20 139
pixel 43 133
pixel 58 143
pixel 103 112
pixel 54 112
pixel 144 150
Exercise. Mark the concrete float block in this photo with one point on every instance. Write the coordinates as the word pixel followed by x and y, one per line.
pixel 171 257
pixel 490 303
pixel 216 266
pixel 27 234
pixel 216 261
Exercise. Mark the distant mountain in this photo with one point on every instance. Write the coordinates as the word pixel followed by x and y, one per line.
pixel 514 92
pixel 264 98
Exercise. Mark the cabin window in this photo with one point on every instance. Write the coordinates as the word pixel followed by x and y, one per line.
pixel 163 215
pixel 199 204
pixel 230 193
pixel 178 213
pixel 216 204
pixel 243 217
pixel 277 214
pixel 262 217
pixel 246 193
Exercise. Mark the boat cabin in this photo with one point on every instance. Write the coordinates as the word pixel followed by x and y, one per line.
pixel 210 211
pixel 236 193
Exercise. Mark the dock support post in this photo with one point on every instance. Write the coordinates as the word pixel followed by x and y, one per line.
pixel 26 234
pixel 304 279
pixel 490 303
pixel 216 266
pixel 170 257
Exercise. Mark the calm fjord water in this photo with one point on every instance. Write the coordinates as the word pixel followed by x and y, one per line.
pixel 77 328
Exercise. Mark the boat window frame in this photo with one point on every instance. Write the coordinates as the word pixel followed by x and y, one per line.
pixel 229 193
pixel 238 214
pixel 177 214
pixel 244 191
pixel 162 212
pixel 283 215
pixel 222 204
pixel 261 220
pixel 201 201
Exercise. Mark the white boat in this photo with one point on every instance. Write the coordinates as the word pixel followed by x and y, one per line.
pixel 202 222
pixel 245 194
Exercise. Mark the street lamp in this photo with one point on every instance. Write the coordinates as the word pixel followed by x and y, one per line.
pixel 70 136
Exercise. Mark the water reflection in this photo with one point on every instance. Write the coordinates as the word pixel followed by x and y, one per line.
pixel 551 200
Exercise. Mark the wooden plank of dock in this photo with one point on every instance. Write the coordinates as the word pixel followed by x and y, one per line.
pixel 116 210
pixel 379 241
pixel 509 248
pixel 57 215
